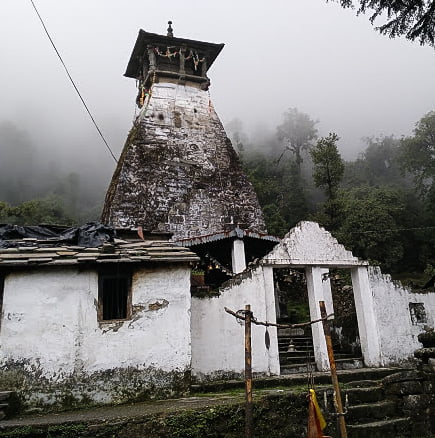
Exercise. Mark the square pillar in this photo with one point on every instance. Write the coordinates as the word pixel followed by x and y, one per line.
pixel 238 260
pixel 365 312
pixel 315 294
pixel 327 292
pixel 273 351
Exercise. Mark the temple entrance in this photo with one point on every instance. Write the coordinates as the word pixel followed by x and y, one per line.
pixel 296 350
pixel 344 326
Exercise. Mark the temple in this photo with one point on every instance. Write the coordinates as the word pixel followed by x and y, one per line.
pixel 178 172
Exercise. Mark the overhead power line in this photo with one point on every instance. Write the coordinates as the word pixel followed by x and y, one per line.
pixel 382 230
pixel 72 82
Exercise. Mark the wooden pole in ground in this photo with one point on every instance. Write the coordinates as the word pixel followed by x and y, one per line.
pixel 248 374
pixel 339 406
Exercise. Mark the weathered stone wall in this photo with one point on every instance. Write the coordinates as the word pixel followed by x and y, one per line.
pixel 217 337
pixel 397 331
pixel 414 393
pixel 178 171
pixel 54 351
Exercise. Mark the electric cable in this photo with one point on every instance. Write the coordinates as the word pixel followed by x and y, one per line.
pixel 72 82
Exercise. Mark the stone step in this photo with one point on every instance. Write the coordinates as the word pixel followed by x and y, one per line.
pixel 338 357
pixel 290 341
pixel 286 345
pixel 364 383
pixel 296 368
pixel 301 359
pixel 297 346
pixel 4 395
pixel 349 363
pixel 289 364
pixel 290 376
pixel 380 429
pixel 298 340
pixel 296 350
pixel 358 396
pixel 381 410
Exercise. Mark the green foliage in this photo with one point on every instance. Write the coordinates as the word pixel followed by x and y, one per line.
pixel 280 191
pixel 371 218
pixel 328 164
pixel 417 153
pixel 378 165
pixel 328 169
pixel 30 182
pixel 50 210
pixel 297 132
pixel 412 19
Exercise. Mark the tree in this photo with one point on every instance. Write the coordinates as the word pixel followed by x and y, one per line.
pixel 16 163
pixel 414 19
pixel 378 165
pixel 296 132
pixel 370 223
pixel 328 169
pixel 328 165
pixel 279 189
pixel 417 154
pixel 49 210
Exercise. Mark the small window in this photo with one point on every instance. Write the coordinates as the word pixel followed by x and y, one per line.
pixel 114 296
pixel 418 313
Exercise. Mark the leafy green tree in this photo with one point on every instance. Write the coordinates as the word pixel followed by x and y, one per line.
pixel 417 154
pixel 297 133
pixel 328 169
pixel 414 19
pixel 370 224
pixel 328 165
pixel 50 210
pixel 279 189
pixel 378 165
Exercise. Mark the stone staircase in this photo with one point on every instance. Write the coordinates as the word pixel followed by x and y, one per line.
pixel 381 402
pixel 7 403
pixel 296 353
pixel 399 404
pixel 370 414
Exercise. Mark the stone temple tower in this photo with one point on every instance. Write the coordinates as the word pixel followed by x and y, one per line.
pixel 178 171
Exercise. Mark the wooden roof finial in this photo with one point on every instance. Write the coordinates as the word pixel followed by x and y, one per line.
pixel 170 30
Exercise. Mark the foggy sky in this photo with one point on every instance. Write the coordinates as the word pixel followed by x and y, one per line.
pixel 307 54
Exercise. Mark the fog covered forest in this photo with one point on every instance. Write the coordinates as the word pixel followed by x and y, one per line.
pixel 380 205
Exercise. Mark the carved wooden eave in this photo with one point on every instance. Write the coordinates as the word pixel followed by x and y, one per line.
pixel 308 244
pixel 141 65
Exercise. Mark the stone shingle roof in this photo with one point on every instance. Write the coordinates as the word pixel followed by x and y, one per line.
pixel 31 252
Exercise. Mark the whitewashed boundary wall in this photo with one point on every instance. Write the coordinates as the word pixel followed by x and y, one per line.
pixel 55 351
pixel 397 330
pixel 217 337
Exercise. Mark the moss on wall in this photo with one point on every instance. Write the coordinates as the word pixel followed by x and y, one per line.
pixel 274 417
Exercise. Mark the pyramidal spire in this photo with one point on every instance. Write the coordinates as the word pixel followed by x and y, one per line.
pixel 178 171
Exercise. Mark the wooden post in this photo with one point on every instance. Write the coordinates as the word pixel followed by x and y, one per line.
pixel 248 374
pixel 339 405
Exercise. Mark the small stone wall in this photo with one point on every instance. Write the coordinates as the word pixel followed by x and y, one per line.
pixel 414 392
pixel 217 337
pixel 398 330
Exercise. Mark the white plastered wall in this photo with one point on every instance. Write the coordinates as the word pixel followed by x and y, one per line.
pixel 50 323
pixel 397 333
pixel 218 339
